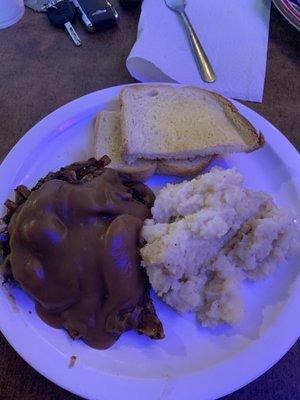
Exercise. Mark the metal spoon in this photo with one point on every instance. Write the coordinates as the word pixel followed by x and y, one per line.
pixel 204 66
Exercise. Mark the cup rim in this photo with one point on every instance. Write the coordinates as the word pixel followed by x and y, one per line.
pixel 8 22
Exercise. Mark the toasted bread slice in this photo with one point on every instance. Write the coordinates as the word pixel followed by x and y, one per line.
pixel 107 140
pixel 183 167
pixel 164 122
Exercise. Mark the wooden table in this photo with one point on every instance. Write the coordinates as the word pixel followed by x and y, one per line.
pixel 40 70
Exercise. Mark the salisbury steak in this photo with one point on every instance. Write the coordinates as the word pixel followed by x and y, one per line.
pixel 72 244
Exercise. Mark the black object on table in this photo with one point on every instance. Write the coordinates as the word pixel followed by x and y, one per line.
pixel 61 15
pixel 130 4
pixel 96 15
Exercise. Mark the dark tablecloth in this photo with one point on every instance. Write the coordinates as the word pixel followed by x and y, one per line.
pixel 40 70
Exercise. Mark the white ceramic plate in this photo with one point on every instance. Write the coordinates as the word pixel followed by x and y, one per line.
pixel 191 362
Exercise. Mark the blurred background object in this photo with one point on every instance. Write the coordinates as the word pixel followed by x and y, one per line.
pixel 11 11
pixel 36 5
pixel 290 9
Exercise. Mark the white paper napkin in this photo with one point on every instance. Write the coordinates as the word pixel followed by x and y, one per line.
pixel 234 34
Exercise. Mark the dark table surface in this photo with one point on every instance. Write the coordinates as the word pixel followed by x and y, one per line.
pixel 40 70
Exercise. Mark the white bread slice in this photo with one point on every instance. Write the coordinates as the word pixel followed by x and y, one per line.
pixel 164 122
pixel 107 140
pixel 183 167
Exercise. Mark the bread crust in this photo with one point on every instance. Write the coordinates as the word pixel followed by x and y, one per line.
pixel 176 167
pixel 141 171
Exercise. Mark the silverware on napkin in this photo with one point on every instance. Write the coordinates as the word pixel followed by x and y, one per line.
pixel 204 66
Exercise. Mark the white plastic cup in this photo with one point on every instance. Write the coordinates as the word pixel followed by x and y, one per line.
pixel 11 11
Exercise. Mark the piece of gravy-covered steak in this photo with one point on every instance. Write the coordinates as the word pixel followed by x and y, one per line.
pixel 72 243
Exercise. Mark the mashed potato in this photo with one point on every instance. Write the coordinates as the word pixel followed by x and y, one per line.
pixel 206 236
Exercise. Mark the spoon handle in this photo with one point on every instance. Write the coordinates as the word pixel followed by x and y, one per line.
pixel 204 66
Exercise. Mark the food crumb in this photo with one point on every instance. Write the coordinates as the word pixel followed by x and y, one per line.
pixel 72 361
pixel 12 301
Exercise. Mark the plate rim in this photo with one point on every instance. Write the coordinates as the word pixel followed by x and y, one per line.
pixel 160 386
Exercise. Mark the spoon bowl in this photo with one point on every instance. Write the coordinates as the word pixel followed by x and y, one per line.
pixel 176 5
